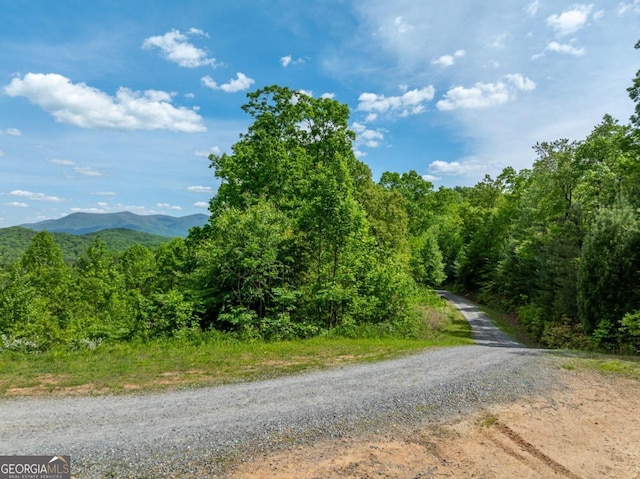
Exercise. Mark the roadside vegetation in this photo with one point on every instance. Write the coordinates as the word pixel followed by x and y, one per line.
pixel 304 247
pixel 213 358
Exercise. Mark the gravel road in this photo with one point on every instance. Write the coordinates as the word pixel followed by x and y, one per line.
pixel 183 432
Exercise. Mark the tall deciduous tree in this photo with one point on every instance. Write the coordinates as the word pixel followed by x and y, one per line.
pixel 295 166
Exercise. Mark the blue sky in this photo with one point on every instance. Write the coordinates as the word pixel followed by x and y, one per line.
pixel 114 105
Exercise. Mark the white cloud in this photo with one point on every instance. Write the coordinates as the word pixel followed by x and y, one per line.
pixel 410 103
pixel 464 167
pixel 88 210
pixel 483 95
pixel 402 26
pixel 288 60
pixel 521 82
pixel 532 8
pixel 200 189
pixel 190 96
pixel 198 31
pixel 57 161
pixel 87 171
pixel 366 136
pixel 449 60
pixel 105 193
pixel 175 48
pixel 211 151
pixel 13 132
pixel 570 21
pixel 201 204
pixel 17 204
pixel 564 48
pixel 168 206
pixel 329 96
pixel 499 42
pixel 1 153
pixel 241 82
pixel 431 178
pixel 88 107
pixel 625 7
pixel 35 196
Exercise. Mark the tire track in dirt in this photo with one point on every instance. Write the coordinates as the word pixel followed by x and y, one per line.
pixel 530 449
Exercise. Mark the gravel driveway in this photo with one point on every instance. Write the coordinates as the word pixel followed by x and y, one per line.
pixel 171 434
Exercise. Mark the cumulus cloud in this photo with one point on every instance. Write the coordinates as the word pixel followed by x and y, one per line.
pixel 564 48
pixel 464 167
pixel 87 107
pixel 288 60
pixel 431 178
pixel 175 47
pixel 449 60
pixel 570 21
pixel 35 196
pixel 200 189
pixel 367 136
pixel 329 96
pixel 215 150
pixel 241 82
pixel 201 204
pixel 483 95
pixel 411 102
pixel 13 132
pixel 168 206
pixel 17 204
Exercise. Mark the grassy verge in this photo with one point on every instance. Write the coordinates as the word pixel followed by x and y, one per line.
pixel 623 366
pixel 208 360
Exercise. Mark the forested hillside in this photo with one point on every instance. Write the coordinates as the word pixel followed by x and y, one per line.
pixel 86 223
pixel 15 240
pixel 301 241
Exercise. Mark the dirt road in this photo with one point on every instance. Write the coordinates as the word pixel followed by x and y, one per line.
pixel 495 409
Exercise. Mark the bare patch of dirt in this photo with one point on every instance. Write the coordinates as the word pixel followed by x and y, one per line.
pixel 588 428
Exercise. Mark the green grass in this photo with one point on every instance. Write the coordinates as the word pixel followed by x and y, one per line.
pixel 623 366
pixel 208 360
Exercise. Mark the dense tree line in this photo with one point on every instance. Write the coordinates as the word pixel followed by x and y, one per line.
pixel 301 240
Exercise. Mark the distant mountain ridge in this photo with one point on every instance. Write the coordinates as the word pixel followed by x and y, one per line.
pixel 85 223
pixel 15 240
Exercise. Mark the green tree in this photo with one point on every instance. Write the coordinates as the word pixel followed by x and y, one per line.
pixel 244 265
pixel 138 267
pixel 296 166
pixel 634 94
pixel 103 310
pixel 608 280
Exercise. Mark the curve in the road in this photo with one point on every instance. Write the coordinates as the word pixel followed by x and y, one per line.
pixel 128 436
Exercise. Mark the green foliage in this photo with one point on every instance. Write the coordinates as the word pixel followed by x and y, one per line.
pixel 14 242
pixel 299 233
pixel 609 275
pixel 302 242
pixel 426 261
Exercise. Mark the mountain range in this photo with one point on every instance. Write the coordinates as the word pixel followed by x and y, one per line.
pixel 85 223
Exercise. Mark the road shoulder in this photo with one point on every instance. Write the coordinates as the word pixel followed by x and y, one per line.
pixel 587 427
